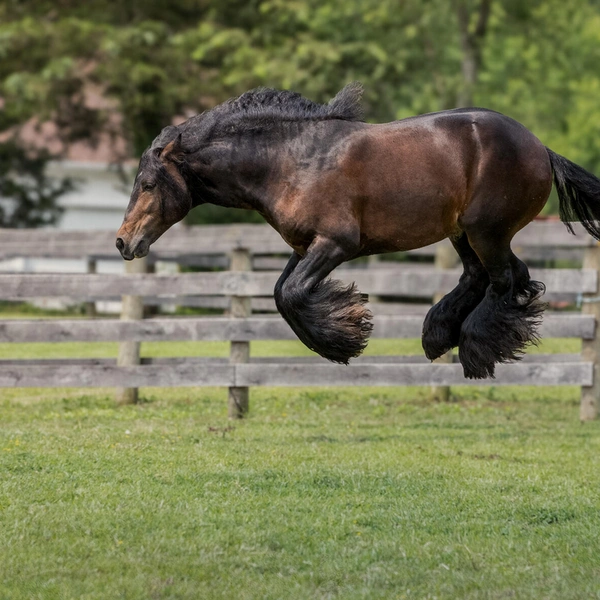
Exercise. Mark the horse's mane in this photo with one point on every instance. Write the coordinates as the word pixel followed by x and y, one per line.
pixel 294 107
pixel 256 110
pixel 263 106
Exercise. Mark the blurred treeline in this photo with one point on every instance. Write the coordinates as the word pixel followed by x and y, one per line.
pixel 535 60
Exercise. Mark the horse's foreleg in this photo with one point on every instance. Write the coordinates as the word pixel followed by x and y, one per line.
pixel 506 320
pixel 327 316
pixel 441 328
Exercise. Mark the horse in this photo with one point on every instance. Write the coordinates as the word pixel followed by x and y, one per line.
pixel 336 188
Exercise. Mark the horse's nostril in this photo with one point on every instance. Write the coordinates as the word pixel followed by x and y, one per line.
pixel 120 244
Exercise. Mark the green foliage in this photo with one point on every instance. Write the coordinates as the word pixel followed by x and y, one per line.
pixel 156 61
pixel 27 195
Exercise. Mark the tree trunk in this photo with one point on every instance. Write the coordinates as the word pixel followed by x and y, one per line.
pixel 471 41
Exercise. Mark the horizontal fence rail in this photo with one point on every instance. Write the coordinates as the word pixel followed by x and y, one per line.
pixel 292 360
pixel 193 374
pixel 205 240
pixel 241 330
pixel 413 282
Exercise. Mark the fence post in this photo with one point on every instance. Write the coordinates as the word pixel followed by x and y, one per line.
pixel 150 310
pixel 590 349
pixel 445 258
pixel 238 397
pixel 372 260
pixel 129 352
pixel 90 307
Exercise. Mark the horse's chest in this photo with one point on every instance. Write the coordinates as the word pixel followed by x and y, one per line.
pixel 297 242
pixel 291 231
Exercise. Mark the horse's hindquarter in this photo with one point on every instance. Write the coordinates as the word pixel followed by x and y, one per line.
pixel 513 178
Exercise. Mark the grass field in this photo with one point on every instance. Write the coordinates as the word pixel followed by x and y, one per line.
pixel 370 493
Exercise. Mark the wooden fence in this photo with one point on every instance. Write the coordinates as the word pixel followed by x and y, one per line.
pixel 245 247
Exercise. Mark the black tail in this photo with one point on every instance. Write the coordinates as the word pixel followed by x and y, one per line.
pixel 578 194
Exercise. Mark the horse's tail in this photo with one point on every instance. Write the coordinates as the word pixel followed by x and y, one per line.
pixel 578 194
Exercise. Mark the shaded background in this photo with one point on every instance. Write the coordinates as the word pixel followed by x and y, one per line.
pixel 93 83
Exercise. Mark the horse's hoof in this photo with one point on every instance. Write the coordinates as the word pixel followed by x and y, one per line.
pixel 499 331
pixel 441 330
pixel 476 369
pixel 437 339
pixel 434 348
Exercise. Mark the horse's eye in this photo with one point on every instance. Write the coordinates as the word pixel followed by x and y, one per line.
pixel 148 186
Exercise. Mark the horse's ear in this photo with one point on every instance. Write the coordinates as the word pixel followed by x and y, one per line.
pixel 173 151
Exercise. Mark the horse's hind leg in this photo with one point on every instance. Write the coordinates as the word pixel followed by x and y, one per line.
pixel 441 328
pixel 506 320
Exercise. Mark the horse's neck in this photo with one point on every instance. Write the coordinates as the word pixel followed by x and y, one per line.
pixel 257 171
pixel 240 180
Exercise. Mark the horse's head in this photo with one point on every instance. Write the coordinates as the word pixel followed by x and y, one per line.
pixel 160 198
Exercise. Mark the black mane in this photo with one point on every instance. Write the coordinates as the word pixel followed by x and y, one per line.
pixel 262 106
pixel 287 105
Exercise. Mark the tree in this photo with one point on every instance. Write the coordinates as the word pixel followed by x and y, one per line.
pixel 157 61
pixel 471 41
pixel 27 195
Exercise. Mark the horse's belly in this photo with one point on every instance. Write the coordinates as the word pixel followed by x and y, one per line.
pixel 394 230
pixel 404 215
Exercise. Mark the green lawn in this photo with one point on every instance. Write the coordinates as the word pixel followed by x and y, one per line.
pixel 322 493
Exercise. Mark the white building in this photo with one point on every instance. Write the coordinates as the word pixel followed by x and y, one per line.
pixel 98 202
pixel 99 198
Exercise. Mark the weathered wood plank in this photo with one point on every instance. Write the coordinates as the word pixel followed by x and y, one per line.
pixel 180 374
pixel 525 252
pixel 590 395
pixel 132 310
pixel 569 325
pixel 221 239
pixel 59 284
pixel 425 282
pixel 216 302
pixel 268 304
pixel 238 398
pixel 283 360
pixel 415 282
pixel 211 239
pixel 552 233
pixel 410 374
pixel 239 330
pixel 209 258
pixel 188 374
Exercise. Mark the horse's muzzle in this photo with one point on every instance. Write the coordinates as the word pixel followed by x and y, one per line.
pixel 123 249
pixel 141 249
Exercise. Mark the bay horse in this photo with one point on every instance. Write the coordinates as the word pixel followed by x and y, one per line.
pixel 336 188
